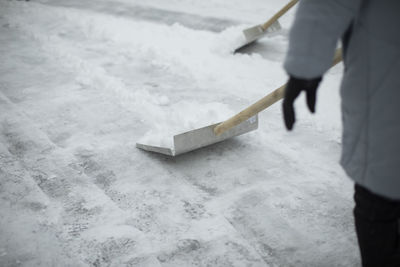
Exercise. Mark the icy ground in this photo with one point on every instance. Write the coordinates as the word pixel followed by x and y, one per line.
pixel 82 81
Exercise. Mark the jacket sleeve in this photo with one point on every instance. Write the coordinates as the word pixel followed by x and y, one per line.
pixel 317 27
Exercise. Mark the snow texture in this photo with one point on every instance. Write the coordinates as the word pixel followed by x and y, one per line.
pixel 82 81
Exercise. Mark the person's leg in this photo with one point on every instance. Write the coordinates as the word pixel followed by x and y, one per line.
pixel 376 221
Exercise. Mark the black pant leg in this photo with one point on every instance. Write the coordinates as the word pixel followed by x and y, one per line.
pixel 376 221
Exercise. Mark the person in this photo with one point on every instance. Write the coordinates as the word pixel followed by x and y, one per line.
pixel 369 31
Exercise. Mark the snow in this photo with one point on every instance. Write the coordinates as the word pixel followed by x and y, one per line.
pixel 82 81
pixel 184 116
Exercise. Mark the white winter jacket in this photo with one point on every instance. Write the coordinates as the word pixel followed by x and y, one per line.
pixel 370 88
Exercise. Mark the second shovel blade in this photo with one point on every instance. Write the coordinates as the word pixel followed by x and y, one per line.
pixel 254 33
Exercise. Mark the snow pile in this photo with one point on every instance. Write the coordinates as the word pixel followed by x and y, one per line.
pixel 175 122
pixel 202 56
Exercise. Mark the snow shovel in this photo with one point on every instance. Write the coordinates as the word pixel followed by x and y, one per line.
pixel 243 122
pixel 272 25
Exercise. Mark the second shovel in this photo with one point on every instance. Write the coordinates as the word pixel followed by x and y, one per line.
pixel 272 25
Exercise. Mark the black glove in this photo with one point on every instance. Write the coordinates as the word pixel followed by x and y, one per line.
pixel 292 91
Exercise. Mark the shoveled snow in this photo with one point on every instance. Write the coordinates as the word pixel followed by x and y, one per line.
pixel 183 117
pixel 81 83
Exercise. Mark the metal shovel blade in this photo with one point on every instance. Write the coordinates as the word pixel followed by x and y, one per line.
pixel 254 33
pixel 201 137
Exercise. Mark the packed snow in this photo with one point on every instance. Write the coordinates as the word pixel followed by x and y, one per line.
pixel 81 82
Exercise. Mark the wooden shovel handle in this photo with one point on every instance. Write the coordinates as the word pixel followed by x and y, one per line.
pixel 261 104
pixel 271 21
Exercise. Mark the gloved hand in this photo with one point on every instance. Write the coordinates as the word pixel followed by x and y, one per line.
pixel 292 91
